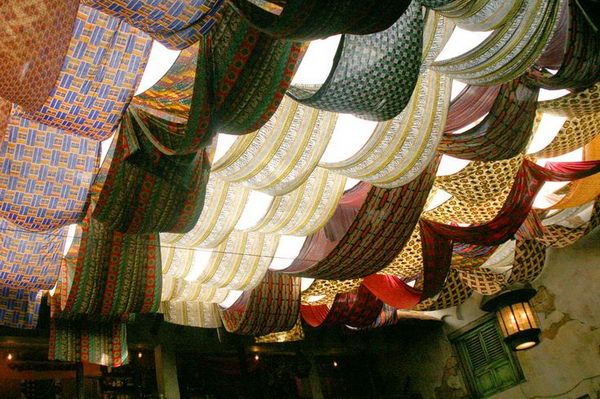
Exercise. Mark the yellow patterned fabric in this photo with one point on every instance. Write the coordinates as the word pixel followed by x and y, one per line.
pixel 282 154
pixel 457 211
pixel 483 281
pixel 480 181
pixel 559 236
pixel 409 262
pixel 194 314
pixel 575 133
pixel 223 206
pixel 400 149
pixel 578 104
pixel 587 189
pixel 238 264
pixel 486 15
pixel 295 334
pixel 306 209
pixel 454 293
pixel 510 50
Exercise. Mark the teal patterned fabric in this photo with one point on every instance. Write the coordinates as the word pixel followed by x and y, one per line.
pixel 373 76
pixel 315 19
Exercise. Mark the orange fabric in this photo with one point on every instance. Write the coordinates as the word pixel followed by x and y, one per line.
pixel 587 189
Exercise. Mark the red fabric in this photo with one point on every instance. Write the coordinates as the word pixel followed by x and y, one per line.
pixel 355 309
pixel 392 291
pixel 437 238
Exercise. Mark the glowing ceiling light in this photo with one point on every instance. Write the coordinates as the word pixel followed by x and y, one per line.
pixel 349 136
pixel 159 62
pixel 256 208
pixel 460 42
pixel 546 131
pixel 231 298
pixel 287 250
pixel 317 61
pixel 200 262
pixel 451 165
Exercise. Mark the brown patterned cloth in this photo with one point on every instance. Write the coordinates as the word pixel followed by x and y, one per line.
pixel 530 256
pixel 454 293
pixel 34 38
pixel 273 306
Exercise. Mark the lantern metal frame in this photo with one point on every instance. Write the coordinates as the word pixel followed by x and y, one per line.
pixel 515 294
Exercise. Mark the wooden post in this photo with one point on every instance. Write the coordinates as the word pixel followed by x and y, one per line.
pixel 313 378
pixel 166 373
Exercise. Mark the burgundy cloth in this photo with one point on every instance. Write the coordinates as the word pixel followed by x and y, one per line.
pixel 377 234
pixel 555 50
pixel 504 132
pixel 318 245
pixel 437 239
pixel 472 103
pixel 354 309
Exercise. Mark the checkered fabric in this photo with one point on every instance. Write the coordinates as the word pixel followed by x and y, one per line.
pixel 271 307
pixel 373 76
pixel 19 308
pixel 102 68
pixel 483 281
pixel 503 133
pixel 175 23
pixel 46 174
pixel 529 261
pixel 314 19
pixel 454 292
pixel 34 38
pixel 29 260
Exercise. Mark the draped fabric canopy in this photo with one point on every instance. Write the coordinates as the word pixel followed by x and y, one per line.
pixel 161 226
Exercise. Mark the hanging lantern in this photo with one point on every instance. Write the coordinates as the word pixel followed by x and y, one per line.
pixel 517 319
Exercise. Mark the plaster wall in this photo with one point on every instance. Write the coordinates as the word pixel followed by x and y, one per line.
pixel 566 364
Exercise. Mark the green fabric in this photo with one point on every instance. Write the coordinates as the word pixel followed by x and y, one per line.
pixel 146 190
pixel 314 19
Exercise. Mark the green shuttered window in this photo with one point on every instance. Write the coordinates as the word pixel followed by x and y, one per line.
pixel 489 364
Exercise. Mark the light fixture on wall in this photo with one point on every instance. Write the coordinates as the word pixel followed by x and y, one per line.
pixel 517 319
